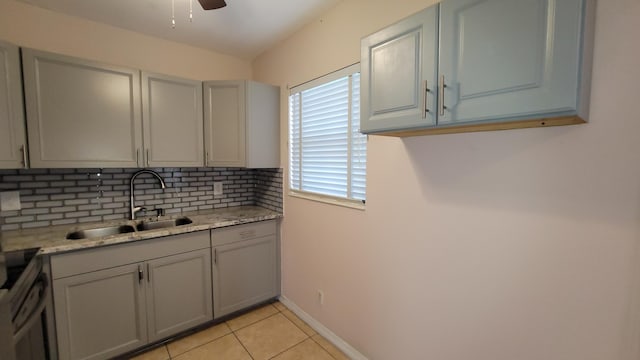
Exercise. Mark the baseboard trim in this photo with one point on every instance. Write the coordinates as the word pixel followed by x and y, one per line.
pixel 347 349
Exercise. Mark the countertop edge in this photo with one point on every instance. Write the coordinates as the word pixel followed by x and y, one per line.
pixel 55 242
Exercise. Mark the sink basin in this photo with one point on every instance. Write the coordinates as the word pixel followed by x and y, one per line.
pixel 99 232
pixel 152 225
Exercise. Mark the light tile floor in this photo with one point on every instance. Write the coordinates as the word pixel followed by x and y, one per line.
pixel 269 332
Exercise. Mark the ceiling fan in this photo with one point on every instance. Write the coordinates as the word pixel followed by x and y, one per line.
pixel 212 4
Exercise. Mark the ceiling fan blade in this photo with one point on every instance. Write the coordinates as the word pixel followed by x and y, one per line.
pixel 212 4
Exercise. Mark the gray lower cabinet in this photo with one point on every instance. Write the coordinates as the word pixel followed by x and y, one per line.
pixel 100 314
pixel 244 266
pixel 114 299
pixel 179 295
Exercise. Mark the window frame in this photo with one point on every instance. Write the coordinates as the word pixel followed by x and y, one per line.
pixel 314 196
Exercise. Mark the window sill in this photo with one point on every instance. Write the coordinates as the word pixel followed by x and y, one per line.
pixel 353 204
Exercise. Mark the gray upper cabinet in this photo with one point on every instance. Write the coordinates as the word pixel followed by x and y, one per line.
pixel 244 266
pixel 241 120
pixel 398 72
pixel 501 64
pixel 13 139
pixel 172 121
pixel 505 59
pixel 81 113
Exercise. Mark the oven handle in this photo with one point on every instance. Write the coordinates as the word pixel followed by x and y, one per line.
pixel 35 315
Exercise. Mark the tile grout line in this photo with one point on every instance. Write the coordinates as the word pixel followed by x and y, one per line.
pixel 322 347
pixel 234 333
pixel 242 344
pixel 289 348
pixel 197 346
pixel 255 322
pixel 231 331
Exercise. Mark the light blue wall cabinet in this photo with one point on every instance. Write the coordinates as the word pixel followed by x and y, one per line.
pixel 501 64
pixel 398 70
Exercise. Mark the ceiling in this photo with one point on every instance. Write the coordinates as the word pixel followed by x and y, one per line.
pixel 244 28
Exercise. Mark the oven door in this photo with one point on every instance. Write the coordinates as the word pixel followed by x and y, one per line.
pixel 22 307
pixel 29 338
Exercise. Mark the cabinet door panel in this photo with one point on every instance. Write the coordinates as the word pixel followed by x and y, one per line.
pixel 80 113
pixel 12 133
pixel 101 314
pixel 179 293
pixel 510 60
pixel 398 66
pixel 244 274
pixel 225 114
pixel 172 119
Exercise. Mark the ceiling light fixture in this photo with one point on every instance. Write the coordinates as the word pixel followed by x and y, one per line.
pixel 206 5
pixel 173 13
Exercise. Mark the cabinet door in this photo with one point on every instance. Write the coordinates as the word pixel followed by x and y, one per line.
pixel 172 121
pixel 398 80
pixel 178 293
pixel 12 134
pixel 224 122
pixel 100 314
pixel 262 126
pixel 509 60
pixel 81 113
pixel 244 273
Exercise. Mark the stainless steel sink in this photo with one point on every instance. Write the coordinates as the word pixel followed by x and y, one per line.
pixel 99 232
pixel 152 225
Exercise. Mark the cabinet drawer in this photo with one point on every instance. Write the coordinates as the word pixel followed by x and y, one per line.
pixel 242 232
pixel 84 261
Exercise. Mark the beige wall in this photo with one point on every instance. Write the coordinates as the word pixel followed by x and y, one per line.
pixel 37 28
pixel 520 244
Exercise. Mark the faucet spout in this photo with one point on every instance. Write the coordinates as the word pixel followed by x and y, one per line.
pixel 135 209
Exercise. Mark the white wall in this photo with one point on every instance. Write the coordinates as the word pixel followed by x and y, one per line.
pixel 30 26
pixel 520 244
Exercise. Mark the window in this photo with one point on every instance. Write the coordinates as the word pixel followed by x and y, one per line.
pixel 327 153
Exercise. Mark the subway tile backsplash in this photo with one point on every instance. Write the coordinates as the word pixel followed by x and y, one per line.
pixel 69 196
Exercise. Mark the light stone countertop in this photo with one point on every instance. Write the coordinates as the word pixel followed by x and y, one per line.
pixel 52 239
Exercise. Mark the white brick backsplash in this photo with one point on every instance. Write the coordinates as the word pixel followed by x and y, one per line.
pixel 68 196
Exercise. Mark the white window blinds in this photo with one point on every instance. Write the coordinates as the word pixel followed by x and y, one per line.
pixel 327 153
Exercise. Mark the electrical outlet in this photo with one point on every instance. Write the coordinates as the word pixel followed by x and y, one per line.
pixel 321 297
pixel 10 200
pixel 217 188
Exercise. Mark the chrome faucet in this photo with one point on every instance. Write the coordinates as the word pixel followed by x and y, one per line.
pixel 135 209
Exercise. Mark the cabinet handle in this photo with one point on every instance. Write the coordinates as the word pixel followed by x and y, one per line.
pixel 206 158
pixel 426 97
pixel 148 273
pixel 23 150
pixel 215 256
pixel 147 157
pixel 138 157
pixel 140 274
pixel 441 95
